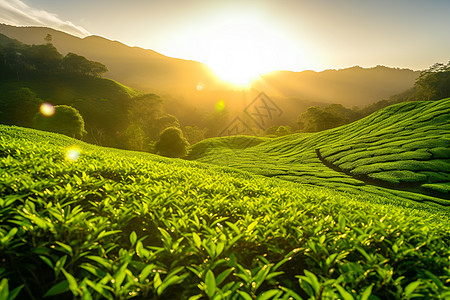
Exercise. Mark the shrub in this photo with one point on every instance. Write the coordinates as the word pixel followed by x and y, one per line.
pixel 66 120
pixel 171 143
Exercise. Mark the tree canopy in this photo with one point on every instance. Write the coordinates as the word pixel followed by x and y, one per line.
pixel 66 120
pixel 73 63
pixel 172 143
pixel 17 59
pixel 18 106
pixel 434 82
pixel 318 118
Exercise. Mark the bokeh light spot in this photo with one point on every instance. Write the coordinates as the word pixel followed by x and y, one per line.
pixel 220 106
pixel 47 109
pixel 73 153
pixel 200 86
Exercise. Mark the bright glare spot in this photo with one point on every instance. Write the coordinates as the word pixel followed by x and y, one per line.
pixel 242 49
pixel 47 109
pixel 200 86
pixel 73 153
pixel 220 106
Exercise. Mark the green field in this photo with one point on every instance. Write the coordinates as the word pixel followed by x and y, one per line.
pixel 401 152
pixel 82 221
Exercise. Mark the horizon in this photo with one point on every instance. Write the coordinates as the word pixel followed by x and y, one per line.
pixel 273 71
pixel 241 39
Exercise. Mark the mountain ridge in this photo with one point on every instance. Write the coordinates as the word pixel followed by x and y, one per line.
pixel 190 89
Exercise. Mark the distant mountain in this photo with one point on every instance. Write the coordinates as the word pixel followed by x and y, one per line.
pixel 176 80
pixel 143 69
pixel 352 86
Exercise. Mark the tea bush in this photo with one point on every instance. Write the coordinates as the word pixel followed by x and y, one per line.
pixel 85 222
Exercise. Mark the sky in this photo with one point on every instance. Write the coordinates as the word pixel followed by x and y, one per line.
pixel 248 36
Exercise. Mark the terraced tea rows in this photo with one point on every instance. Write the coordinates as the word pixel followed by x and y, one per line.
pixel 401 152
pixel 85 222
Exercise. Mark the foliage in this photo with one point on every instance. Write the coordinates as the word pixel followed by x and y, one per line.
pixel 32 74
pixel 18 106
pixel 66 120
pixel 321 118
pixel 283 130
pixel 74 63
pixel 400 152
pixel 194 134
pixel 434 82
pixel 172 143
pixel 146 121
pixel 115 115
pixel 18 60
pixel 126 225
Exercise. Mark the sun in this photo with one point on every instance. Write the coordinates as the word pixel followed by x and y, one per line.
pixel 239 52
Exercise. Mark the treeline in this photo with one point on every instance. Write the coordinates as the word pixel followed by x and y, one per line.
pixel 18 60
pixel 82 104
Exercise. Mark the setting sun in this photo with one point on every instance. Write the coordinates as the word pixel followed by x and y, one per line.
pixel 241 49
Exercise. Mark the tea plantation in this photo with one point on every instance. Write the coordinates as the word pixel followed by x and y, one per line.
pixel 86 222
pixel 401 152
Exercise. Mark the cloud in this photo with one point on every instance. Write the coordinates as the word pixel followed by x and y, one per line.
pixel 15 12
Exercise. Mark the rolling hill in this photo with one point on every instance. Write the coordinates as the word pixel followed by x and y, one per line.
pixel 401 152
pixel 114 114
pixel 103 103
pixel 82 221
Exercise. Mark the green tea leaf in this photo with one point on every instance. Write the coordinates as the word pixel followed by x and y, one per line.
pixel 210 282
pixel 4 289
pixel 65 248
pixel 73 285
pixel 245 295
pixel 367 292
pixel 313 281
pixel 410 288
pixel 269 294
pixel 345 295
pixel 197 240
pixel 57 289
pixel 133 238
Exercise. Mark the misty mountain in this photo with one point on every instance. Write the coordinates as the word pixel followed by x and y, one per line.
pixel 176 80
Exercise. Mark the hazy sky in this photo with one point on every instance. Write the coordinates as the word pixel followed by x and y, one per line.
pixel 277 34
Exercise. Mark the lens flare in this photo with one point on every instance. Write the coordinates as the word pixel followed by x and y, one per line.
pixel 47 109
pixel 73 153
pixel 200 86
pixel 220 106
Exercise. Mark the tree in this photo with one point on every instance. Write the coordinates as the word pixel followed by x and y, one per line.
pixel 317 119
pixel 283 130
pixel 172 143
pixel 434 83
pixel 48 38
pixel 134 138
pixel 194 134
pixel 73 63
pixel 66 120
pixel 45 58
pixel 18 107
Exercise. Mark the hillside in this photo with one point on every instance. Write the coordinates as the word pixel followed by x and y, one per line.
pixel 112 113
pixel 102 102
pixel 177 80
pixel 82 221
pixel 401 152
pixel 140 68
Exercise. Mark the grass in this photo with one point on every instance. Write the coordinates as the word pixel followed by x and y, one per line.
pixel 81 221
pixel 401 152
